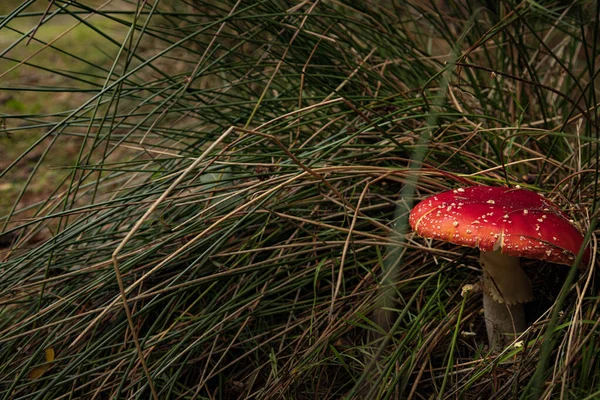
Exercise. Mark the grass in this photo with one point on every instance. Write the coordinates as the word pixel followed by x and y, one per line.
pixel 227 217
pixel 46 75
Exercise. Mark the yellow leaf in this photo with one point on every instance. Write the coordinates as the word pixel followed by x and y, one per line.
pixel 49 354
pixel 39 371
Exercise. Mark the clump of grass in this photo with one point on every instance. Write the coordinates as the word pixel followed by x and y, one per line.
pixel 234 222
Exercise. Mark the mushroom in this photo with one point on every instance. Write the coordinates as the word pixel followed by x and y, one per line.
pixel 505 224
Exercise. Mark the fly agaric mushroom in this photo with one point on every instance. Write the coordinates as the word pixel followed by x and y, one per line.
pixel 504 224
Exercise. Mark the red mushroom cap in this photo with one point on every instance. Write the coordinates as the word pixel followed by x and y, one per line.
pixel 518 222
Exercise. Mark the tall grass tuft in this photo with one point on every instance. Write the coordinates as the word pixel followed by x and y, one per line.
pixel 208 199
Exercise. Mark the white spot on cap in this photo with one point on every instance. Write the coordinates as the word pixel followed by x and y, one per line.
pixel 491 202
pixel 455 223
pixel 525 212
pixel 460 190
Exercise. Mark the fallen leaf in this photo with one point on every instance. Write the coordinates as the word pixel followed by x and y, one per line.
pixel 39 371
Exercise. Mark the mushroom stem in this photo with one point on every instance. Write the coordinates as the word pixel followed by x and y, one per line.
pixel 502 322
pixel 505 288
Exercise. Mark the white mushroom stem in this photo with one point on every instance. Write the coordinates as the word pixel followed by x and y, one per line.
pixel 505 288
